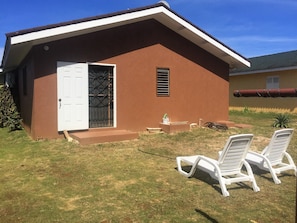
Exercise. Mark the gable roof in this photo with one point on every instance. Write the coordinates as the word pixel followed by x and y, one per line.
pixel 19 43
pixel 268 63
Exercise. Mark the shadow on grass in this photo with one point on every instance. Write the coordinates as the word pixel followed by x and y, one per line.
pixel 267 175
pixel 206 216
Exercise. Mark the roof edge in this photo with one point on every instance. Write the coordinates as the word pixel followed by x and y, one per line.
pixel 48 31
pixel 85 19
pixel 263 71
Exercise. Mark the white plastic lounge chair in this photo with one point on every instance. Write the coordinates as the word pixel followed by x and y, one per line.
pixel 271 158
pixel 227 169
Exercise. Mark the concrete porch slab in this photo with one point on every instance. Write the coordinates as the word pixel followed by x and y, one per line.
pixel 95 136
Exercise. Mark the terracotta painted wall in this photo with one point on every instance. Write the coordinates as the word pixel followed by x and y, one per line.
pixel 193 90
pixel 26 95
pixel 198 81
pixel 287 79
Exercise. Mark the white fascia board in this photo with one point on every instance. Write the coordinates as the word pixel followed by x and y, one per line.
pixel 82 26
pixel 207 38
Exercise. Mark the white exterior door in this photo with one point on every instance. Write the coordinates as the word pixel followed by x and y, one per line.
pixel 73 103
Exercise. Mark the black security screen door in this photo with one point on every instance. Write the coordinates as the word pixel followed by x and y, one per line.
pixel 100 96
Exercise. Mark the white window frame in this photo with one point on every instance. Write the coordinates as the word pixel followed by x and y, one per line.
pixel 272 82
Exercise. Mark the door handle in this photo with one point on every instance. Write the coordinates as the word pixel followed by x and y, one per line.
pixel 60 104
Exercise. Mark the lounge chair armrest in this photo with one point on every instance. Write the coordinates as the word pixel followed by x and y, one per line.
pixel 264 150
pixel 289 158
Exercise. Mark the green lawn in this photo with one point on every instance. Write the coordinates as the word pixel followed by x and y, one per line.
pixel 137 181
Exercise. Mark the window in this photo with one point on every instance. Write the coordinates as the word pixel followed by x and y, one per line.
pixel 272 82
pixel 162 82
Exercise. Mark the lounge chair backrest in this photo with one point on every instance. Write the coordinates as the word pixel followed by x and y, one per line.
pixel 234 153
pixel 278 146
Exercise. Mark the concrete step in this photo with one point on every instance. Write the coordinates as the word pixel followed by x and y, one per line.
pixel 95 136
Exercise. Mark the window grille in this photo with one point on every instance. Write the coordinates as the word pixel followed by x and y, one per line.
pixel 163 82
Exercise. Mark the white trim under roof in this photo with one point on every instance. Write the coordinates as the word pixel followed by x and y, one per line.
pixel 160 13
pixel 84 26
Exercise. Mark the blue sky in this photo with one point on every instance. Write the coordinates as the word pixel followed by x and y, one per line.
pixel 250 27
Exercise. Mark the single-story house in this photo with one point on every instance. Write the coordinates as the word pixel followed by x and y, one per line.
pixel 270 84
pixel 120 71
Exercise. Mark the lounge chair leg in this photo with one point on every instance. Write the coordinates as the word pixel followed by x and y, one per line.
pixel 251 174
pixel 224 189
pixel 272 172
pixel 291 162
pixel 179 168
pixel 275 178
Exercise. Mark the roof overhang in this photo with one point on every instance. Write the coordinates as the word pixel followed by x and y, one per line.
pixel 263 71
pixel 18 44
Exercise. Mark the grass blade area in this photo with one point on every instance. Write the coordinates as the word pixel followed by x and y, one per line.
pixel 137 181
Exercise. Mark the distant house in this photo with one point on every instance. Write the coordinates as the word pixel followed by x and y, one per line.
pixel 269 84
pixel 118 71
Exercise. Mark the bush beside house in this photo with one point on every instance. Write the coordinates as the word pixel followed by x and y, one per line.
pixel 10 117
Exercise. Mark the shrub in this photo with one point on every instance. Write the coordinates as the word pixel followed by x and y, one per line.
pixel 281 121
pixel 246 110
pixel 9 115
